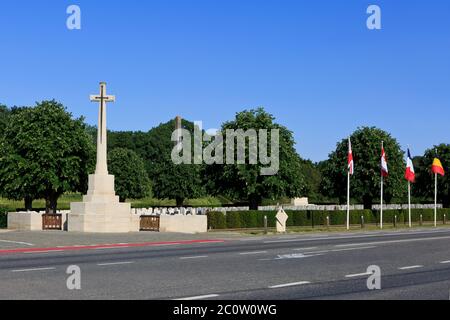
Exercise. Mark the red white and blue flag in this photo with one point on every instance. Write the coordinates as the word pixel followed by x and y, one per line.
pixel 410 174
pixel 351 164
pixel 384 166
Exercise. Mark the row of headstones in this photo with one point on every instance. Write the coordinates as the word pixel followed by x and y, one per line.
pixel 169 211
pixel 313 207
pixel 405 206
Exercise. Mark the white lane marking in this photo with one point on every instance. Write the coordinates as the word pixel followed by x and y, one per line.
pixel 317 252
pixel 31 270
pixel 352 249
pixel 18 242
pixel 194 257
pixel 350 245
pixel 369 236
pixel 410 267
pixel 114 263
pixel 42 252
pixel 250 253
pixel 289 284
pixel 303 249
pixel 445 262
pixel 198 297
pixel 358 275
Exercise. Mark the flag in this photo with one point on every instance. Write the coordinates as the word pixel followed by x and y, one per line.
pixel 437 167
pixel 351 164
pixel 410 174
pixel 384 166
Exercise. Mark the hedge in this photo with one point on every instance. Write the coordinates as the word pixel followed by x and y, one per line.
pixel 255 219
pixel 3 219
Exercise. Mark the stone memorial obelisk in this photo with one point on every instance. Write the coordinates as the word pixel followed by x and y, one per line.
pixel 101 210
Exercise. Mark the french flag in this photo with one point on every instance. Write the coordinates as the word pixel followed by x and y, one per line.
pixel 384 166
pixel 410 174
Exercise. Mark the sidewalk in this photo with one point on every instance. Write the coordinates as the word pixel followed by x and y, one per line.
pixel 48 239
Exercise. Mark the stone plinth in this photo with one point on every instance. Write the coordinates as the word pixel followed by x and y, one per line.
pixel 183 224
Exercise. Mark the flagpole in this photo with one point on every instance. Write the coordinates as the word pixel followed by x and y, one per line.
pixel 409 203
pixel 435 200
pixel 381 207
pixel 348 200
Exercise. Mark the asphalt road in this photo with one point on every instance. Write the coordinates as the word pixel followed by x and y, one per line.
pixel 414 265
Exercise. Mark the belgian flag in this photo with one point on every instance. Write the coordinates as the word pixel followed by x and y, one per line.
pixel 437 167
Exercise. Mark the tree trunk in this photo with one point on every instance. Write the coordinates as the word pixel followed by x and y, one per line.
pixel 254 202
pixel 180 202
pixel 51 203
pixel 28 203
pixel 367 201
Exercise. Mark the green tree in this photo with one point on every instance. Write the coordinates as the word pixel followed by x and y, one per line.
pixel 4 116
pixel 179 182
pixel 169 181
pixel 424 186
pixel 131 179
pixel 365 184
pixel 312 171
pixel 44 153
pixel 245 181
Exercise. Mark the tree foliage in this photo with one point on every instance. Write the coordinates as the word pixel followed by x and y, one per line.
pixel 44 153
pixel 131 178
pixel 365 184
pixel 244 181
pixel 169 181
pixel 4 116
pixel 424 186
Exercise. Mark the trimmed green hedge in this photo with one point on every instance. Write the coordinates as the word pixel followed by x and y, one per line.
pixel 255 219
pixel 3 218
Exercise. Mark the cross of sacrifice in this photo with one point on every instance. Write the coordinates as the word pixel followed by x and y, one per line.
pixel 103 98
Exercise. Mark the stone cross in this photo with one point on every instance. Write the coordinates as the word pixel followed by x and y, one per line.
pixel 102 99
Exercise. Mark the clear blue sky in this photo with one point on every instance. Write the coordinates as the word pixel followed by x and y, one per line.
pixel 313 64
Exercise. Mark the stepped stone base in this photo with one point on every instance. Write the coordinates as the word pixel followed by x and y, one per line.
pixel 101 211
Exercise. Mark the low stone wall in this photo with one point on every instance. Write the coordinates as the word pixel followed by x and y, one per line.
pixel 31 220
pixel 25 221
pixel 183 224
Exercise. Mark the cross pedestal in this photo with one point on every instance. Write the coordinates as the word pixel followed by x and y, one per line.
pixel 101 210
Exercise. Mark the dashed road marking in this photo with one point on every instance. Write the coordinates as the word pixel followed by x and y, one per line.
pixel 208 296
pixel 410 267
pixel 445 262
pixel 253 252
pixel 34 269
pixel 193 257
pixel 292 284
pixel 352 249
pixel 304 249
pixel 114 263
pixel 358 275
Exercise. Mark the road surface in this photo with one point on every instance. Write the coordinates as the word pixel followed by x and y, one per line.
pixel 414 265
